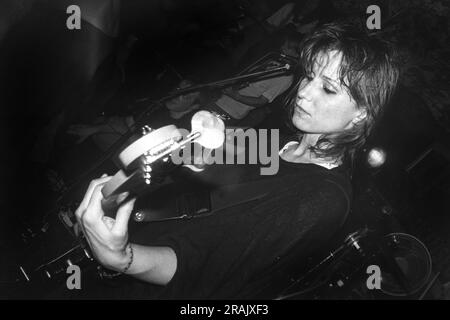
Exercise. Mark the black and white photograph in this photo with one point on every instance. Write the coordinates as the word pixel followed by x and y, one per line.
pixel 250 151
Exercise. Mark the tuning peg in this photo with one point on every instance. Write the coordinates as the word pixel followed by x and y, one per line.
pixel 147 176
pixel 139 216
pixel 147 159
pixel 146 129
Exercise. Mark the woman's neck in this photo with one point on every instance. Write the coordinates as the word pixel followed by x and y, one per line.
pixel 303 148
pixel 302 153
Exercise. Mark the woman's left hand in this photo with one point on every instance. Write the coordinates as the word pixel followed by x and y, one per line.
pixel 107 237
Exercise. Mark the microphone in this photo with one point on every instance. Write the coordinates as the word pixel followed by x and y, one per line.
pixel 209 127
pixel 208 131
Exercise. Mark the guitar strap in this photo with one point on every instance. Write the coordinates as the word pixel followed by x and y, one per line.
pixel 240 193
pixel 202 203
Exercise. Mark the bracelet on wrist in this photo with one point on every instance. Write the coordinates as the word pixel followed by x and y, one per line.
pixel 108 274
pixel 130 262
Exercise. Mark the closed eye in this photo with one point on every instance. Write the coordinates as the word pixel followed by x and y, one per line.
pixel 328 90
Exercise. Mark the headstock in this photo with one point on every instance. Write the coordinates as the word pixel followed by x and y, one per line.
pixel 148 159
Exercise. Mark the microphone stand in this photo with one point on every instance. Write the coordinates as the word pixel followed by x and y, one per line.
pixel 274 72
pixel 327 264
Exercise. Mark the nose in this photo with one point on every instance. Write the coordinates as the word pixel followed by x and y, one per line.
pixel 304 89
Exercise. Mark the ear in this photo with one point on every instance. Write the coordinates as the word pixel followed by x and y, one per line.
pixel 361 114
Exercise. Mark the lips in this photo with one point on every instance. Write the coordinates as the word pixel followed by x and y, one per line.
pixel 301 110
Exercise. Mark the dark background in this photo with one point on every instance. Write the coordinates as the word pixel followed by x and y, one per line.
pixel 48 71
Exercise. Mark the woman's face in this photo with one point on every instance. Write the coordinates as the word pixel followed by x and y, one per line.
pixel 323 105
